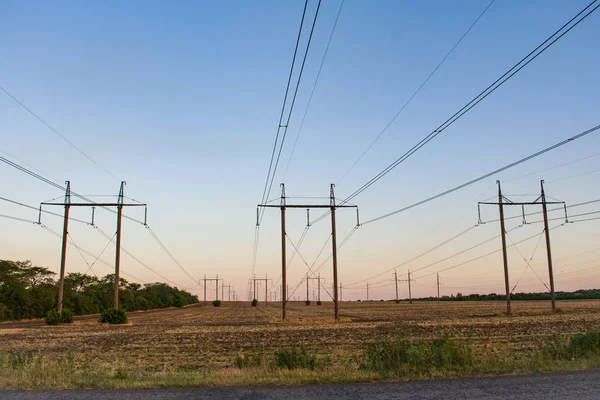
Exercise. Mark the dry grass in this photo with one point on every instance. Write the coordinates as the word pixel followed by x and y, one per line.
pixel 198 345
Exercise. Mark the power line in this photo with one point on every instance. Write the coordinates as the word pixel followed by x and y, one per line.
pixel 480 97
pixel 264 196
pixel 415 93
pixel 293 101
pixel 59 187
pixel 58 133
pixel 313 89
pixel 162 245
pixel 489 174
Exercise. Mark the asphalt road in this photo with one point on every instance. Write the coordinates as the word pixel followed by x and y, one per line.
pixel 579 385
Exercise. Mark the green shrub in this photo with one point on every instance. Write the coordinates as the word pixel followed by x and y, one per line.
pixel 293 358
pixel 319 303
pixel 254 302
pixel 307 302
pixel 248 360
pixel 66 317
pixel 584 344
pixel 52 318
pixel 397 301
pixel 217 303
pixel 423 356
pixel 113 316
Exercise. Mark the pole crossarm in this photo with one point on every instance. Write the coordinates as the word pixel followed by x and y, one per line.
pixel 96 204
pixel 305 206
pixel 530 203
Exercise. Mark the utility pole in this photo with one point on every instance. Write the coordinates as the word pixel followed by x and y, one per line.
pixel 68 204
pixel 367 291
pixel 332 208
pixel 216 280
pixel 340 291
pixel 283 256
pixel 504 254
pixel 396 280
pixel 318 279
pixel 409 291
pixel 548 251
pixel 118 245
pixel 254 282
pixel 502 202
pixel 63 257
pixel 223 292
pixel 438 287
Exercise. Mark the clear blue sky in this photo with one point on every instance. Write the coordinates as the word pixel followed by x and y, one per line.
pixel 182 101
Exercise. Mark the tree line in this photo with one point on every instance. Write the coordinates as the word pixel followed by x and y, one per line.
pixel 581 294
pixel 28 291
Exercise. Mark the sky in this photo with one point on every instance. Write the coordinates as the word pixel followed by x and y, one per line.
pixel 182 101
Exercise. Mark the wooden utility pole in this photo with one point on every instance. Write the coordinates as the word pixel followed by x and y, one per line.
pixel 340 291
pixel 409 290
pixel 367 291
pixel 332 208
pixel 284 287
pixel 254 283
pixel 204 289
pixel 438 287
pixel 68 204
pixel 63 257
pixel 504 254
pixel 548 250
pixel 216 280
pixel 118 245
pixel 502 202
pixel 396 280
pixel 334 248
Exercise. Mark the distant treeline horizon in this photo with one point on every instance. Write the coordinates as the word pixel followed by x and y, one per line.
pixel 581 294
pixel 27 291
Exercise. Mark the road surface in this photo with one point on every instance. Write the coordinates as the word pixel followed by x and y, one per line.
pixel 576 385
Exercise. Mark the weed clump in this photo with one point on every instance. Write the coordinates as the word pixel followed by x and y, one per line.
pixel 399 356
pixel 114 316
pixel 307 302
pixel 52 318
pixel 294 358
pixel 66 317
pixel 248 360
pixel 319 303
pixel 216 303
pixel 254 302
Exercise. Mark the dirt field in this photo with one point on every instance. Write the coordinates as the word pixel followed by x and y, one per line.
pixel 208 338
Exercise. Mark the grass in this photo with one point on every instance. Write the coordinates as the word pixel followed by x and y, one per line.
pixel 394 359
pixel 240 345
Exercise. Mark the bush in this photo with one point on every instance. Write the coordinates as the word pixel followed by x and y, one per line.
pixel 66 317
pixel 113 316
pixel 584 344
pixel 319 303
pixel 293 358
pixel 217 303
pixel 254 302
pixel 398 355
pixel 307 302
pixel 397 301
pixel 248 360
pixel 52 318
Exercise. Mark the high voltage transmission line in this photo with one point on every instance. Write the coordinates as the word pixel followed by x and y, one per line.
pixel 274 162
pixel 313 90
pixel 480 178
pixel 541 48
pixel 467 230
pixel 58 186
pixel 58 133
pixel 411 98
